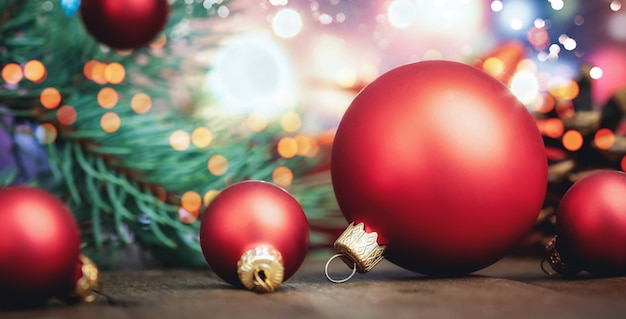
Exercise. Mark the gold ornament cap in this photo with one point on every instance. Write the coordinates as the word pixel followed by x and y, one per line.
pixel 554 258
pixel 261 269
pixel 358 248
pixel 88 282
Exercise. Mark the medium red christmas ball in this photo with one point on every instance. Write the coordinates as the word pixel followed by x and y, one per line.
pixel 39 244
pixel 591 224
pixel 254 234
pixel 443 164
pixel 126 24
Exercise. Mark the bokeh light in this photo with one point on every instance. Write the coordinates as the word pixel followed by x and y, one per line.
pixel 496 6
pixel 401 13
pixel 493 66
pixel 572 140
pixel 209 195
pixel 124 52
pixel 547 104
pixel 110 122
pixel 611 59
pixel 595 72
pixel 538 38
pixel 552 127
pixel 217 165
pixel 290 122
pixel 564 88
pixel 252 73
pixel 12 73
pixel 307 146
pixel 282 176
pixel 186 216
pixel 604 138
pixel 88 69
pixel 287 147
pixel 107 97
pixel 46 133
pixel 346 77
pixel 94 70
pixel 569 44
pixel 34 71
pixel 517 15
pixel 180 140
pixel 201 137
pixel 66 115
pixel 114 73
pixel 556 4
pixel 615 5
pixel 256 122
pixel 287 23
pixel 159 42
pixel 564 108
pixel 449 19
pixel 141 103
pixel 525 87
pixel 50 98
pixel 191 201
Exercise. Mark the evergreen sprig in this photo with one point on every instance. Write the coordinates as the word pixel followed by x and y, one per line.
pixel 115 182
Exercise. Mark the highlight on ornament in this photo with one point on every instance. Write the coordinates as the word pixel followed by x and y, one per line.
pixel 450 152
pixel 254 235
pixel 40 258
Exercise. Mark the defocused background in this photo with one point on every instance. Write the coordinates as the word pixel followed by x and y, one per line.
pixel 137 141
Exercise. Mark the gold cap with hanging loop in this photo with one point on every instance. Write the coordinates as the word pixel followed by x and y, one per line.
pixel 88 284
pixel 261 269
pixel 357 249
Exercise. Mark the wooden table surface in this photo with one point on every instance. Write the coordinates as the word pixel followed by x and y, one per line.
pixel 511 288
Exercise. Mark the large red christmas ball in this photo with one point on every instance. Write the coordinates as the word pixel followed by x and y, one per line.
pixel 39 244
pixel 443 163
pixel 126 24
pixel 591 224
pixel 250 217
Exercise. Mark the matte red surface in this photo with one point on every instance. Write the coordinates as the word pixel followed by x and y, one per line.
pixel 126 24
pixel 591 223
pixel 250 214
pixel 444 163
pixel 39 243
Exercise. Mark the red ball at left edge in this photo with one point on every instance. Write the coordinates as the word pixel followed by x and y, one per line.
pixel 126 24
pixel 250 215
pixel 39 244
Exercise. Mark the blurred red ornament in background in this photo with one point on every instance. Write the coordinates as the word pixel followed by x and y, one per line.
pixel 126 24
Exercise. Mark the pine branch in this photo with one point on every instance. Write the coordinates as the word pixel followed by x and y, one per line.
pixel 126 186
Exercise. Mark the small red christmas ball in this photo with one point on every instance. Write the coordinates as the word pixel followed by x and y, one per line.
pixel 126 24
pixel 443 163
pixel 39 244
pixel 254 234
pixel 591 223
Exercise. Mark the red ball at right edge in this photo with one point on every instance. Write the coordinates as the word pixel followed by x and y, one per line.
pixel 591 223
